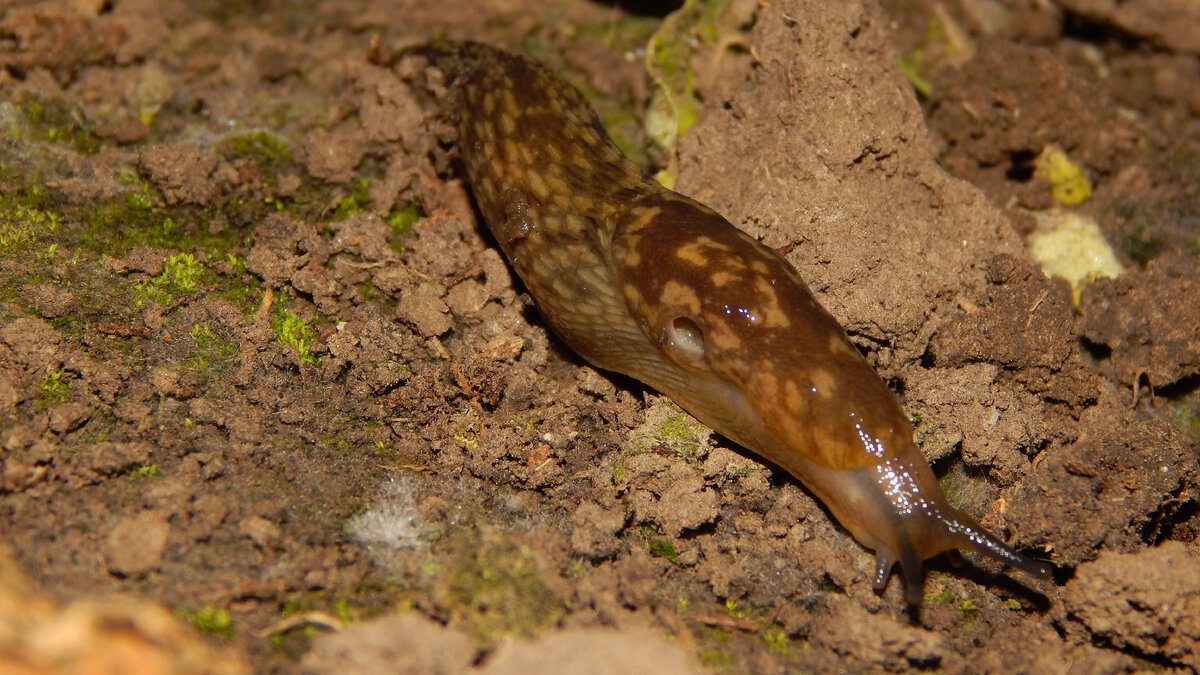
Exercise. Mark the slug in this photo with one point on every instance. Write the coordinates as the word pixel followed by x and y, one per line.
pixel 646 282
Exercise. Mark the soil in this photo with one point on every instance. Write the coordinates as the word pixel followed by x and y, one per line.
pixel 271 400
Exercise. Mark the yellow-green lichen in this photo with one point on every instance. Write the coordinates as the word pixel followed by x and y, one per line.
pixel 1070 246
pixel 698 27
pixel 1068 184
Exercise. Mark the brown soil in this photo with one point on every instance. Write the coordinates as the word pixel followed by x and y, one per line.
pixel 421 478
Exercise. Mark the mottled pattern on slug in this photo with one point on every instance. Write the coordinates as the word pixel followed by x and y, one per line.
pixel 547 180
pixel 649 283
pixel 762 331
pixel 620 257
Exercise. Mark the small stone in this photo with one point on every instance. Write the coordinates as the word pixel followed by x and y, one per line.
pixel 9 396
pixel 595 530
pixel 467 297
pixel 261 531
pixel 135 546
pixel 423 308
pixel 207 514
pixel 106 458
pixel 69 417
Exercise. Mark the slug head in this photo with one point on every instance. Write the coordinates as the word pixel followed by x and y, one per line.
pixel 897 509
pixel 747 349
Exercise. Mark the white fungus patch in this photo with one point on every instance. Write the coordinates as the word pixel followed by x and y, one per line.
pixel 392 522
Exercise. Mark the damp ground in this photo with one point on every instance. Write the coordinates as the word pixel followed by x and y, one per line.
pixel 271 400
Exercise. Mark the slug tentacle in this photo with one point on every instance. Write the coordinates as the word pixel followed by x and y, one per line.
pixel 644 281
pixel 925 524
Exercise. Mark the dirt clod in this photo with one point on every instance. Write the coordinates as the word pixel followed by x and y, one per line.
pixel 340 409
pixel 1140 319
pixel 136 544
pixel 1148 601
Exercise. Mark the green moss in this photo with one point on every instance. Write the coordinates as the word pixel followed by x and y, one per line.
pixel 53 120
pixel 401 221
pixel 776 639
pixel 681 433
pixel 912 66
pixel 132 218
pixel 941 43
pixel 54 389
pixel 965 489
pixel 145 471
pixel 1185 413
pixel 211 620
pixel 494 585
pixel 716 658
pixel 620 471
pixel 99 428
pixel 736 609
pixel 270 151
pixel 343 611
pixel 354 203
pixel 942 597
pixel 293 331
pixel 209 351
pixel 1186 157
pixel 24 221
pixel 138 217
pixel 181 272
pixel 661 547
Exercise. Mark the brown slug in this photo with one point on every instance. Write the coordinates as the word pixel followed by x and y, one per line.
pixel 643 281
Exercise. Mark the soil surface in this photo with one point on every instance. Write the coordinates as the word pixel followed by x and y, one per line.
pixel 272 401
